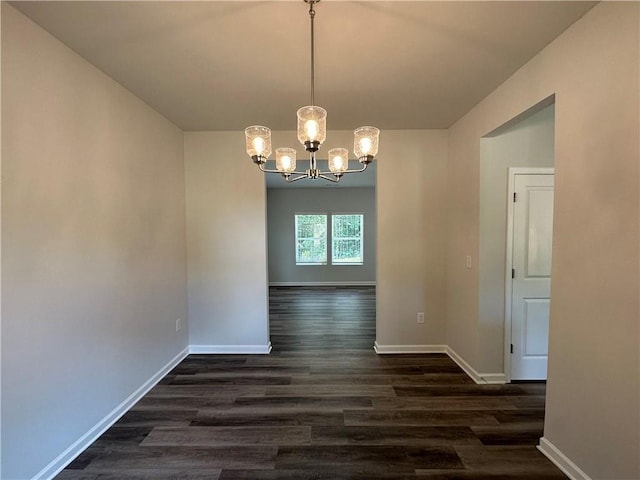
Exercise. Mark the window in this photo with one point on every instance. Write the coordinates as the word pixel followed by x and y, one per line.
pixel 311 239
pixel 346 239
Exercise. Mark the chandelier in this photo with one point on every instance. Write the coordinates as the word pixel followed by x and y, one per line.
pixel 312 132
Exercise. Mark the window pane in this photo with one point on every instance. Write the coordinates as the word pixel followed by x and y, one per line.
pixel 311 239
pixel 347 241
pixel 312 251
pixel 347 251
pixel 347 225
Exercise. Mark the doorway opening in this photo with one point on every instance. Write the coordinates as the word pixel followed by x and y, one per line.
pixel 526 142
pixel 321 237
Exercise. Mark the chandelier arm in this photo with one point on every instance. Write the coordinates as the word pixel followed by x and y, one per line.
pixel 352 171
pixel 288 179
pixel 332 179
pixel 320 174
pixel 266 170
pixel 358 170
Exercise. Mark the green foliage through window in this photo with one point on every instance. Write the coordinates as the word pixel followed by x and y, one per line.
pixel 346 245
pixel 346 239
pixel 311 239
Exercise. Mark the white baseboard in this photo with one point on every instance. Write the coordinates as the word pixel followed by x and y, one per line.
pixel 480 378
pixel 66 457
pixel 388 349
pixel 561 461
pixel 493 378
pixel 357 283
pixel 231 349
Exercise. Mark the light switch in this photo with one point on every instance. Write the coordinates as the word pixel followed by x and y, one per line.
pixel 468 261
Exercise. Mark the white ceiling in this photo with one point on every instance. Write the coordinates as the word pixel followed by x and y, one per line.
pixel 223 65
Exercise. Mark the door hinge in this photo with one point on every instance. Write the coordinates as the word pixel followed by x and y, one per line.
pixel 512 348
pixel 515 197
pixel 513 273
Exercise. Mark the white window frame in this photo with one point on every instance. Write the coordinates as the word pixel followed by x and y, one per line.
pixel 299 261
pixel 335 239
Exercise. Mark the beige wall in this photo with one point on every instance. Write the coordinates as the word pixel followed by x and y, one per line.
pixel 226 238
pixel 227 273
pixel 593 396
pixel 410 196
pixel 93 247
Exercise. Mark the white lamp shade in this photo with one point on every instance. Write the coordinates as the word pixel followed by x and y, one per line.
pixel 312 124
pixel 285 160
pixel 258 141
pixel 365 141
pixel 338 160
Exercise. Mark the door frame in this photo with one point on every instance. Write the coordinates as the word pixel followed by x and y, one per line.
pixel 512 172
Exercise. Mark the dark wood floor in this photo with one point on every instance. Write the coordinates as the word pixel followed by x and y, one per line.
pixel 323 405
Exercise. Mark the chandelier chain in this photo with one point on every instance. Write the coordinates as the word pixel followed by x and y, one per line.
pixel 312 14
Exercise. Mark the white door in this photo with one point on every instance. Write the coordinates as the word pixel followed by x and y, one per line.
pixel 531 275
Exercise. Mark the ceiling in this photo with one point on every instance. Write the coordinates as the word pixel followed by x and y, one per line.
pixel 223 65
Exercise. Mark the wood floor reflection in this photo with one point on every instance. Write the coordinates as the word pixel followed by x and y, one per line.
pixel 323 406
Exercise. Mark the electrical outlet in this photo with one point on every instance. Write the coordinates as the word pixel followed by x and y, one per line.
pixel 178 325
pixel 420 318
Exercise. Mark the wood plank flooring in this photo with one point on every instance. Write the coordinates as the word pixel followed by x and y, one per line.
pixel 323 406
